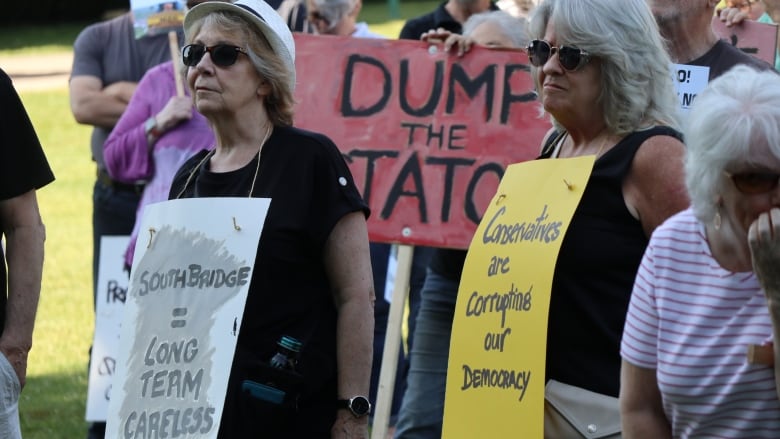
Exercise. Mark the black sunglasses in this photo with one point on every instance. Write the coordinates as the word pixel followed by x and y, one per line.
pixel 752 183
pixel 571 58
pixel 223 55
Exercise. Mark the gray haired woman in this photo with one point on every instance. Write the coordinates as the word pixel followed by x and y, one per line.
pixel 603 76
pixel 312 275
pixel 709 283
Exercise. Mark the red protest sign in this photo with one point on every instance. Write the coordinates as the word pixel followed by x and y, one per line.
pixel 427 135
pixel 752 37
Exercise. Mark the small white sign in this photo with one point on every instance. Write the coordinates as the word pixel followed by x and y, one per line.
pixel 689 81
pixel 111 291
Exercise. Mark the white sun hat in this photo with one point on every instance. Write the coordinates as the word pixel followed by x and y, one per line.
pixel 263 17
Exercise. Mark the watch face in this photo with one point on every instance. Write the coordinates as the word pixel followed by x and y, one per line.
pixel 360 406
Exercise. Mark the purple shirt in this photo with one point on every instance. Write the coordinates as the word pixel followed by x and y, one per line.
pixel 126 151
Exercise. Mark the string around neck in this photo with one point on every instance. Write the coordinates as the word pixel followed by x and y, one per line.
pixel 210 154
pixel 559 146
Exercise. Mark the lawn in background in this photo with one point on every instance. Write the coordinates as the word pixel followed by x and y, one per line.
pixel 53 402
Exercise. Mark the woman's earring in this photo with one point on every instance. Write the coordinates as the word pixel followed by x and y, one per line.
pixel 717 220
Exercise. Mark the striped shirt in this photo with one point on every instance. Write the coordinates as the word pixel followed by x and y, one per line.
pixel 692 321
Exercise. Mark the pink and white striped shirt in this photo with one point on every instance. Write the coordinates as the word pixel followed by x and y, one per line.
pixel 692 321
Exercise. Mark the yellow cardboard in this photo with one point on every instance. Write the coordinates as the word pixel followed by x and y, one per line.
pixel 495 379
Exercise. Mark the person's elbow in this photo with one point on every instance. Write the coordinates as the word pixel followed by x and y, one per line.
pixel 84 92
pixel 81 112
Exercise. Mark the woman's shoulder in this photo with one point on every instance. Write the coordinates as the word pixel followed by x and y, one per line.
pixel 661 134
pixel 658 143
pixel 305 141
pixel 304 134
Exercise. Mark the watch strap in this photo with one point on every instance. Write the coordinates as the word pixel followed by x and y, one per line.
pixel 151 128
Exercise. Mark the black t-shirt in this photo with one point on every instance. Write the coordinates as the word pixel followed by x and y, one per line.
pixel 723 56
pixel 23 166
pixel 438 18
pixel 311 189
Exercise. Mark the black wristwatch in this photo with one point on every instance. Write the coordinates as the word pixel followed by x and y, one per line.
pixel 358 405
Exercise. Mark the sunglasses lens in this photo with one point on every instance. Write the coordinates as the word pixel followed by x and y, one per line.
pixel 538 52
pixel 755 182
pixel 191 54
pixel 569 57
pixel 221 54
pixel 224 56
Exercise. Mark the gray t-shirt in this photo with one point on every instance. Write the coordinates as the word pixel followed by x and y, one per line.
pixel 109 51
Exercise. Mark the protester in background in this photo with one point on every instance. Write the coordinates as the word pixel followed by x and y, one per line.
pixel 156 134
pixel 449 16
pixel 603 77
pixel 294 13
pixel 687 27
pixel 23 170
pixel 709 284
pixel 422 408
pixel 338 17
pixel 108 62
pixel 312 276
pixel 479 29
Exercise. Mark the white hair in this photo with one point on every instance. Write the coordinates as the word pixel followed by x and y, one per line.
pixel 513 27
pixel 334 10
pixel 736 116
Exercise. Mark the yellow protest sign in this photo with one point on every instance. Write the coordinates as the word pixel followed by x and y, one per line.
pixel 495 379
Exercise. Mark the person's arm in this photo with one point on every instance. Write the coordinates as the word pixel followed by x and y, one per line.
pixel 347 261
pixel 641 409
pixel 21 223
pixel 126 152
pixel 764 241
pixel 655 188
pixel 93 104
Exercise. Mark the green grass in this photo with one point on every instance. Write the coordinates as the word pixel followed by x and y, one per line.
pixel 53 402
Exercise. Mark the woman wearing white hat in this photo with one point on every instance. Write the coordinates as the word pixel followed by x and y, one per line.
pixel 312 277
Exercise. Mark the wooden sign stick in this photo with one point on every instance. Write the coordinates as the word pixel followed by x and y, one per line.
pixel 173 43
pixel 384 397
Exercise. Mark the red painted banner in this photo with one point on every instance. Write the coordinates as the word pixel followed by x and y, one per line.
pixel 427 135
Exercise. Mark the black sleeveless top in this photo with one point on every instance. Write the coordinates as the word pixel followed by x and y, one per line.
pixel 594 274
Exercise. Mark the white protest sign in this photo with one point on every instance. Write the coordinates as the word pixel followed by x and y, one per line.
pixel 188 286
pixel 111 290
pixel 689 81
